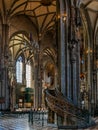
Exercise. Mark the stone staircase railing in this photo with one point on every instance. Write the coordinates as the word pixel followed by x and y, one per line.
pixel 57 103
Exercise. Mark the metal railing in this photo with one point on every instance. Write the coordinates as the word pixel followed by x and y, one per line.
pixel 38 117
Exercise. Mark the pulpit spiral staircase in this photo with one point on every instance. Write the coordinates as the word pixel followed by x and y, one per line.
pixel 62 107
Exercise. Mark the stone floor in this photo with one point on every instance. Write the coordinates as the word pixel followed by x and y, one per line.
pixel 94 127
pixel 21 123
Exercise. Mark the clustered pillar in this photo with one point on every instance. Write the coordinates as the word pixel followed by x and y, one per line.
pixel 4 87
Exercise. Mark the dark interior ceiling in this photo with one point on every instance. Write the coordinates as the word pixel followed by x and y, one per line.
pixel 41 14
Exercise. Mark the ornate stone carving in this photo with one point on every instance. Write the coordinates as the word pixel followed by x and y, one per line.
pixel 72 48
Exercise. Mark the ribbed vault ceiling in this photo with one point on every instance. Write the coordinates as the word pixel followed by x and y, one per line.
pixel 40 12
pixel 90 7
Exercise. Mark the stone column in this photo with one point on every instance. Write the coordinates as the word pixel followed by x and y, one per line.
pixel 89 77
pixel 97 82
pixel 39 78
pixel 73 73
pixel 0 71
pixel 94 89
pixel 35 86
pixel 13 94
pixel 4 67
pixel 38 81
pixel 78 73
pixel 56 79
pixel 65 119
pixel 62 47
pixel 55 119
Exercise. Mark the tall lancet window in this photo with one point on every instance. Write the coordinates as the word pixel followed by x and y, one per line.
pixel 28 75
pixel 19 69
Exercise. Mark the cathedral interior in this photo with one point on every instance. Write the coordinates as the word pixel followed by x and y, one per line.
pixel 49 58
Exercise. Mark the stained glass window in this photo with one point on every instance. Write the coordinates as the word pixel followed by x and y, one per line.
pixel 28 75
pixel 19 69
